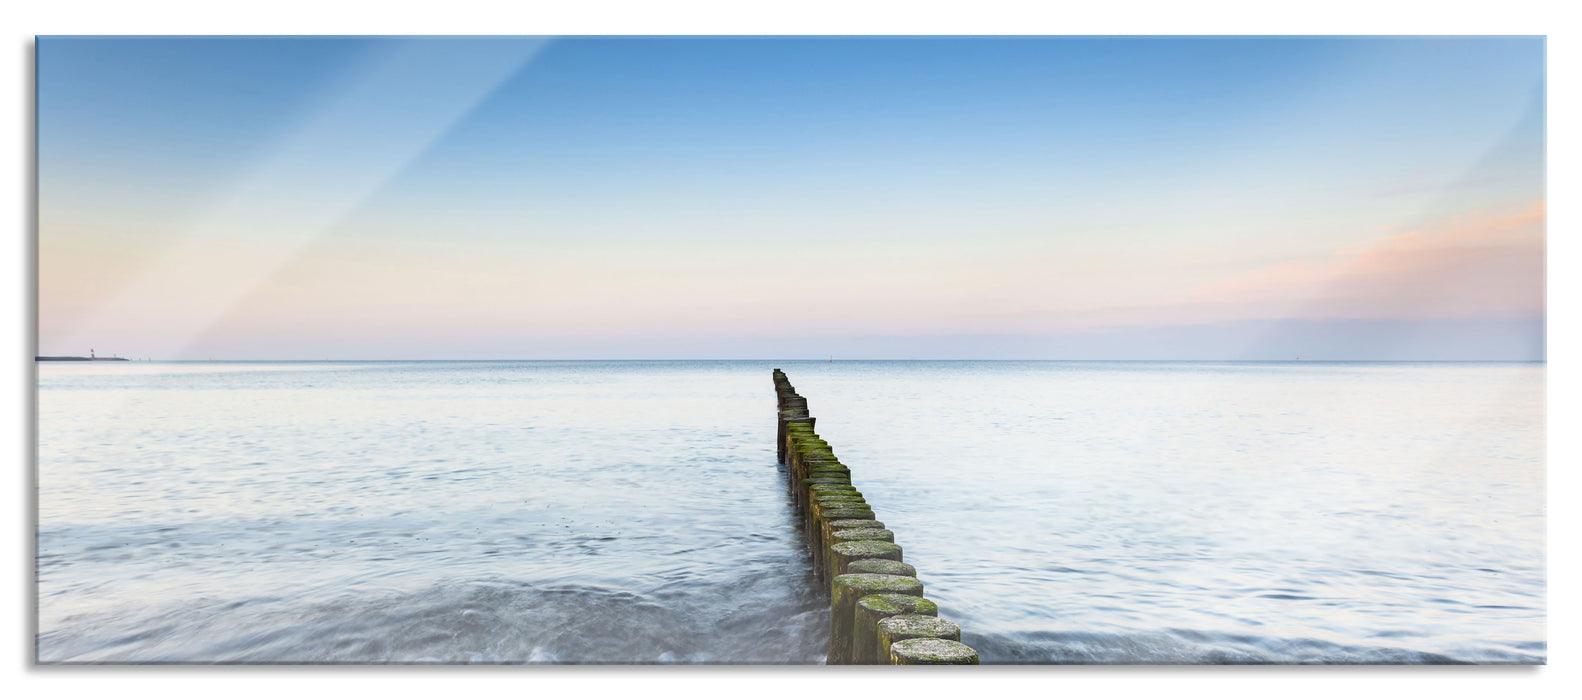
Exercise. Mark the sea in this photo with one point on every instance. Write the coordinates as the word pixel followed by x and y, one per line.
pixel 632 512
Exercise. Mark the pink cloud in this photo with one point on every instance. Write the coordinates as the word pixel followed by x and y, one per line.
pixel 1483 264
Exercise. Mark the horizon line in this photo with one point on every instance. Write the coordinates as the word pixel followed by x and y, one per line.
pixel 49 358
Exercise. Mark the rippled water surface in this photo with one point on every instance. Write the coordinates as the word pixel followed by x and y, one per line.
pixel 417 512
pixel 1209 513
pixel 632 512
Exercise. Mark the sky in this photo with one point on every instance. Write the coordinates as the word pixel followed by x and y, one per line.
pixel 996 198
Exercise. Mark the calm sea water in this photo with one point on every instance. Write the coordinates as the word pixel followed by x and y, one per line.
pixel 632 512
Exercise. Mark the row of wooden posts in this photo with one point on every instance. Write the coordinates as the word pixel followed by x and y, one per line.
pixel 878 614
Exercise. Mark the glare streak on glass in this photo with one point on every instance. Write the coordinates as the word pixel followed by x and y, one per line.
pixel 414 89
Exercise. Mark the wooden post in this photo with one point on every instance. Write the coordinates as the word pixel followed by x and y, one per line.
pixel 845 591
pixel 842 555
pixel 881 566
pixel 925 651
pixel 821 553
pixel 873 609
pixel 903 626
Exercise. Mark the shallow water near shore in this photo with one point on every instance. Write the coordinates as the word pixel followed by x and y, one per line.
pixel 632 512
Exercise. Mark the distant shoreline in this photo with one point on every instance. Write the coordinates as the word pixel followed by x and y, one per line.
pixel 41 358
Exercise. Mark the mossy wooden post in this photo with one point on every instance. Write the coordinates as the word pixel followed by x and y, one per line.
pixel 837 511
pixel 788 405
pixel 881 566
pixel 808 452
pixel 838 537
pixel 814 519
pixel 901 626
pixel 841 510
pixel 788 417
pixel 840 556
pixel 827 528
pixel 925 651
pixel 805 449
pixel 817 491
pixel 871 533
pixel 799 436
pixel 845 591
pixel 810 507
pixel 802 494
pixel 822 512
pixel 806 495
pixel 821 554
pixel 796 431
pixel 832 501
pixel 870 611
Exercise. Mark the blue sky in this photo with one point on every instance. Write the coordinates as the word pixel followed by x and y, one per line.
pixel 1069 198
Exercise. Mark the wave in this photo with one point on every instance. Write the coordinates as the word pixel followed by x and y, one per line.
pixel 1173 647
pixel 461 623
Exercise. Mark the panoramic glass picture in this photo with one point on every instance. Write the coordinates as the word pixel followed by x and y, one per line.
pixel 790 350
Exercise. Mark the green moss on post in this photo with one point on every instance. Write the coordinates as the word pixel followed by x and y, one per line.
pixel 923 651
pixel 877 534
pixel 873 609
pixel 836 512
pixel 828 473
pixel 836 480
pixel 917 625
pixel 806 462
pixel 851 524
pixel 822 502
pixel 800 466
pixel 787 428
pixel 826 527
pixel 804 497
pixel 881 566
pixel 821 507
pixel 816 490
pixel 821 550
pixel 821 512
pixel 841 555
pixel 888 604
pixel 831 499
pixel 837 503
pixel 833 496
pixel 812 496
pixel 845 591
